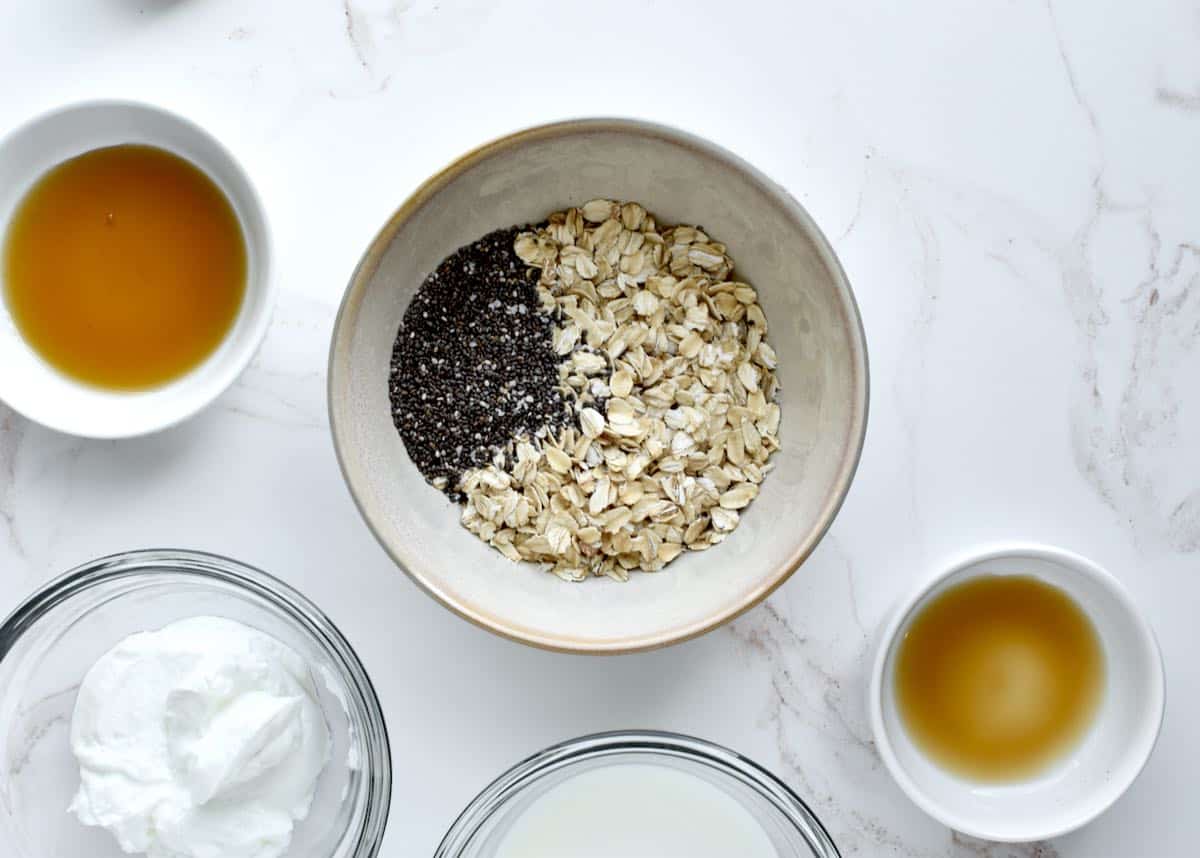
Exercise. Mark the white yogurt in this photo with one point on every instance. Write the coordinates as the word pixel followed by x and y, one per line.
pixel 202 739
pixel 635 811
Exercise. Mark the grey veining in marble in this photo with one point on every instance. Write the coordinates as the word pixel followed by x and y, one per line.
pixel 1013 189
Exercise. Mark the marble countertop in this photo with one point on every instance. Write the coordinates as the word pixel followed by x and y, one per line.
pixel 1014 191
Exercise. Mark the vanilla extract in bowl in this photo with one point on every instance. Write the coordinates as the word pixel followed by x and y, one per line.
pixel 999 677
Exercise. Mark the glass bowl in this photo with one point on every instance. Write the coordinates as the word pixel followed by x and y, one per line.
pixel 793 829
pixel 49 642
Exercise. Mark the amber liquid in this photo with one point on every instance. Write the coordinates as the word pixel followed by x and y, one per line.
pixel 999 677
pixel 124 267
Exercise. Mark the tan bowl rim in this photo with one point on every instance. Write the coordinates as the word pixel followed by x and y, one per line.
pixel 369 263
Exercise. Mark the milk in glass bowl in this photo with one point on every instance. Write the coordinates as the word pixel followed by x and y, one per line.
pixel 657 795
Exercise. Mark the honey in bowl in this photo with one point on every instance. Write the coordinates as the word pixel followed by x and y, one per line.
pixel 999 677
pixel 124 267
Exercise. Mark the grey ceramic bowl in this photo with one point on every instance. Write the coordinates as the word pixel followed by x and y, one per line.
pixel 814 327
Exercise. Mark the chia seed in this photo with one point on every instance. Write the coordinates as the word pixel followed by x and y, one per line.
pixel 473 367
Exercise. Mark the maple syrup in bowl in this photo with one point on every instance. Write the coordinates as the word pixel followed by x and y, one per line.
pixel 125 267
pixel 134 266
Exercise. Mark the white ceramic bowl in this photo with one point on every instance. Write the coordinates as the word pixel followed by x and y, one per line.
pixel 1076 789
pixel 40 392
pixel 814 328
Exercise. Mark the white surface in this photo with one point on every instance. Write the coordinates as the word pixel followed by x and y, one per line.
pixel 201 738
pixel 1012 191
pixel 34 388
pixel 665 813
pixel 1095 773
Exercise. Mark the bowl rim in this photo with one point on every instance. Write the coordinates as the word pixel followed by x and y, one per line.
pixel 904 609
pixel 341 340
pixel 652 744
pixel 265 285
pixel 300 609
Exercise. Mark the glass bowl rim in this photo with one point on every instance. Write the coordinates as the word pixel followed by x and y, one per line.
pixel 652 744
pixel 203 565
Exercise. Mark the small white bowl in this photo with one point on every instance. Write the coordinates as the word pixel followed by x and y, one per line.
pixel 37 390
pixel 1076 789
